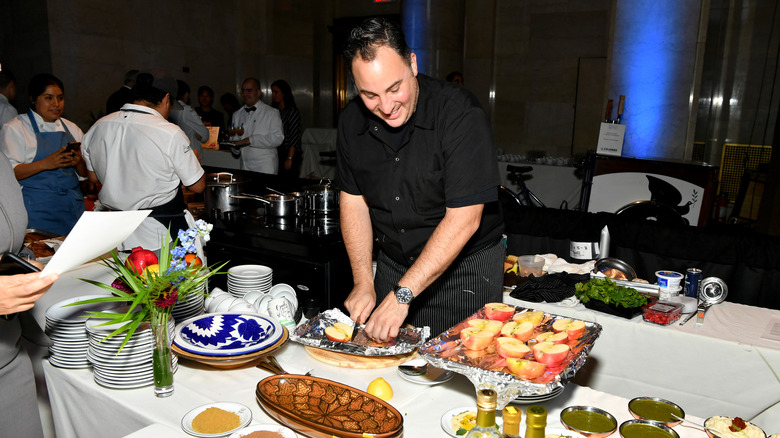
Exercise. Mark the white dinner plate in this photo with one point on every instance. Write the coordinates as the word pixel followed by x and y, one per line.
pixel 447 418
pixel 243 412
pixel 113 385
pixel 76 314
pixel 433 376
pixel 250 271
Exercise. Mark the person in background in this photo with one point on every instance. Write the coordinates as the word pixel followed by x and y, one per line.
pixel 43 150
pixel 230 104
pixel 417 169
pixel 188 120
pixel 209 115
pixel 263 131
pixel 142 161
pixel 7 95
pixel 456 78
pixel 290 154
pixel 123 95
pixel 18 293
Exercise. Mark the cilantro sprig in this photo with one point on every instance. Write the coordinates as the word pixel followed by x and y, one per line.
pixel 609 292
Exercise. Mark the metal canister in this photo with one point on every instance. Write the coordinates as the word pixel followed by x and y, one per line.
pixel 692 282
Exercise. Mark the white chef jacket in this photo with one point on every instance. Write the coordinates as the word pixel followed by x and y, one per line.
pixel 189 121
pixel 7 111
pixel 263 127
pixel 17 138
pixel 141 159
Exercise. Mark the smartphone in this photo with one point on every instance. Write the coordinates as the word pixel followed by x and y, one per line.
pixel 73 146
pixel 12 264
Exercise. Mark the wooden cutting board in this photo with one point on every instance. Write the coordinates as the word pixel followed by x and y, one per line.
pixel 354 361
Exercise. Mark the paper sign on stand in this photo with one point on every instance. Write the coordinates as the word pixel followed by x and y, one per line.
pixel 96 233
pixel 611 139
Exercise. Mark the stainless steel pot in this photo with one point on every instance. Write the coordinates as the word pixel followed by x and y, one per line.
pixel 322 197
pixel 219 188
pixel 275 205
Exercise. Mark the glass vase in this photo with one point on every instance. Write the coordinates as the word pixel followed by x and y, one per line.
pixel 161 356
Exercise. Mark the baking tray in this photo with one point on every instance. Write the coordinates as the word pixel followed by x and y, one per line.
pixel 486 369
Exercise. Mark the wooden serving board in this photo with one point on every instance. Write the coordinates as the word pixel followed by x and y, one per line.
pixel 354 361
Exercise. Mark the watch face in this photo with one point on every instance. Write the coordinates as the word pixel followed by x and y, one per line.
pixel 404 295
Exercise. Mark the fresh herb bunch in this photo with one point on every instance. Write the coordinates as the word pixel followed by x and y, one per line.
pixel 606 290
pixel 173 281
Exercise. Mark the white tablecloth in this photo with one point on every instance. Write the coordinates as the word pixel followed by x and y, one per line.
pixel 723 367
pixel 620 360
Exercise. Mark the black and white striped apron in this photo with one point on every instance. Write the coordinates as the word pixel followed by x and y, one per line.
pixel 468 284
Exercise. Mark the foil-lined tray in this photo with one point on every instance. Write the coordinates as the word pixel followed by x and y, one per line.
pixel 312 333
pixel 487 369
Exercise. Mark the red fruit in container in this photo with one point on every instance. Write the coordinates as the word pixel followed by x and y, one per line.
pixel 139 259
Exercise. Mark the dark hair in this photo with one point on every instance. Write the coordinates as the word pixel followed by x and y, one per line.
pixel 452 75
pixel 207 89
pixel 143 89
pixel 230 99
pixel 130 77
pixel 284 87
pixel 183 89
pixel 6 77
pixel 371 34
pixel 38 85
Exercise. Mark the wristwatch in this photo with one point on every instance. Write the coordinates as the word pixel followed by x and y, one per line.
pixel 403 294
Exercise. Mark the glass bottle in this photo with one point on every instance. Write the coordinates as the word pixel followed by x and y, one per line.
pixel 486 416
pixel 512 417
pixel 535 422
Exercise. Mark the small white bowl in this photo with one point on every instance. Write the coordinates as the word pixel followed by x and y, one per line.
pixel 286 291
pixel 242 306
pixel 254 295
pixel 285 432
pixel 211 306
pixel 216 292
pixel 261 305
pixel 225 305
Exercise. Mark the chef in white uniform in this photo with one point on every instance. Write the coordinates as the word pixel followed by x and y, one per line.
pixel 263 131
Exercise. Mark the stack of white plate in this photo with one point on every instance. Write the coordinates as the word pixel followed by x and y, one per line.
pixel 129 368
pixel 534 399
pixel 65 327
pixel 191 305
pixel 245 278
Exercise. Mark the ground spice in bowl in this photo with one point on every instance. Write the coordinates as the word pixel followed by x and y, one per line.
pixel 263 434
pixel 215 420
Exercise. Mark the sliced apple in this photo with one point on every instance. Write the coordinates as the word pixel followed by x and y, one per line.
pixel 535 316
pixel 335 334
pixel 487 324
pixel 499 311
pixel 525 369
pixel 476 338
pixel 511 347
pixel 346 328
pixel 506 329
pixel 560 324
pixel 575 328
pixel 550 354
pixel 523 331
pixel 541 337
pixel 559 338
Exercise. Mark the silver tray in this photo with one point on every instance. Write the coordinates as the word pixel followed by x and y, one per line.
pixel 485 369
pixel 312 333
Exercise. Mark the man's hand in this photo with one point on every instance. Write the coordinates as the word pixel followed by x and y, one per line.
pixel 360 303
pixel 20 292
pixel 387 319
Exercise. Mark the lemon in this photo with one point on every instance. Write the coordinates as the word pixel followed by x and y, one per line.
pixel 380 388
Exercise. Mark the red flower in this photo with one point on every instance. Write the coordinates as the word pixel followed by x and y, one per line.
pixel 168 298
pixel 120 284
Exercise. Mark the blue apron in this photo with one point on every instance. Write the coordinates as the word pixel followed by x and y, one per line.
pixel 53 198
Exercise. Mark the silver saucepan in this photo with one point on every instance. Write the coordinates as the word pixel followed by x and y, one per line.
pixel 275 205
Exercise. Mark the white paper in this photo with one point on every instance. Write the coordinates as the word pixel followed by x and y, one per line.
pixel 772 331
pixel 96 233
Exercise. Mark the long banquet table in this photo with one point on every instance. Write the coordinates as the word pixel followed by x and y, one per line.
pixel 82 408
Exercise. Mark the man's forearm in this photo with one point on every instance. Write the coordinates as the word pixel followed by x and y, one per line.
pixel 358 236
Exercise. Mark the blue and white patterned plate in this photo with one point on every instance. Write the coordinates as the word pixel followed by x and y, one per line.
pixel 227 334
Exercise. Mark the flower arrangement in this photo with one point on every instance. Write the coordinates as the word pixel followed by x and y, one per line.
pixel 150 286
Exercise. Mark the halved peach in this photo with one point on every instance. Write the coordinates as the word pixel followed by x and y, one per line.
pixel 511 347
pixel 525 369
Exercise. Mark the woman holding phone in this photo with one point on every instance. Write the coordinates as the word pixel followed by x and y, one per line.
pixel 44 150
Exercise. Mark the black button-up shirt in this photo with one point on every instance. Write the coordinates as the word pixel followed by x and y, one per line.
pixel 446 158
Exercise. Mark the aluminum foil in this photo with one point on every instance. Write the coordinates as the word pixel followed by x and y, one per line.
pixel 486 369
pixel 312 333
